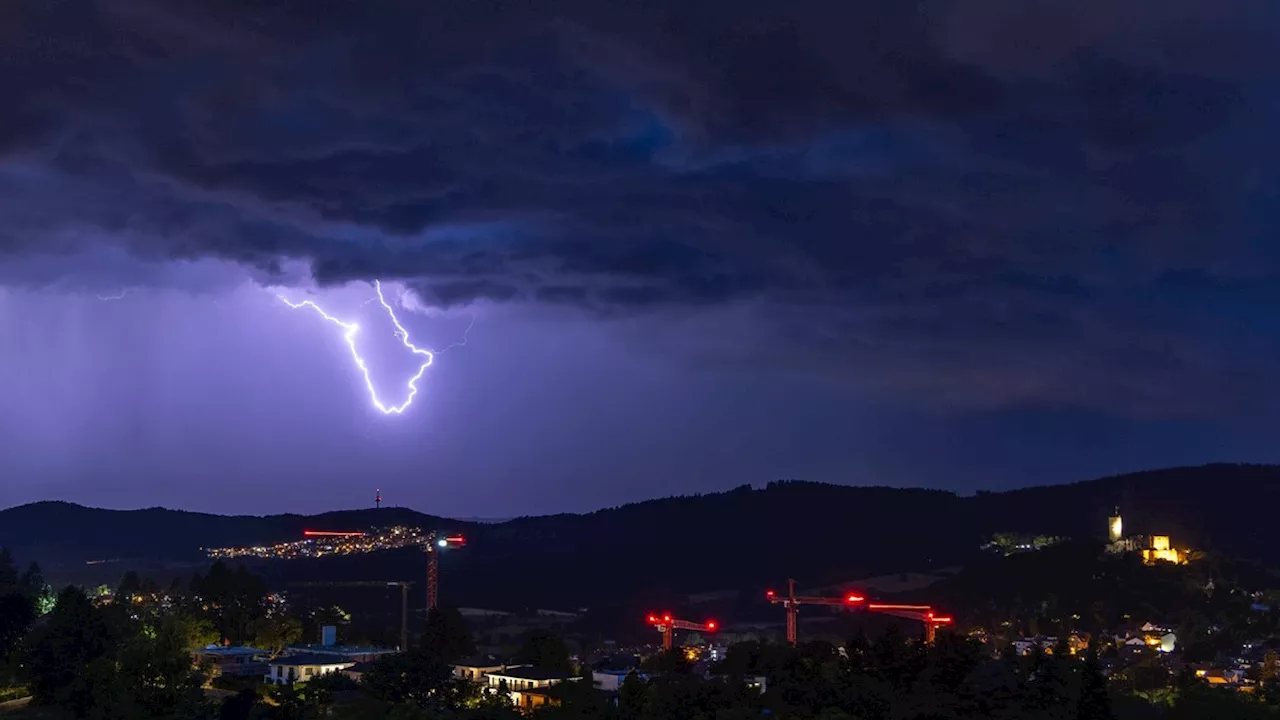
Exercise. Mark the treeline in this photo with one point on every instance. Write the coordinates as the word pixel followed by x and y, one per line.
pixel 887 678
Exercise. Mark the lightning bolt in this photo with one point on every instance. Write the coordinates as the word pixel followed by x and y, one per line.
pixel 463 341
pixel 118 296
pixel 350 330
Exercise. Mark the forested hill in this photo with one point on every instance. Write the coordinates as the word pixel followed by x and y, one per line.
pixel 61 532
pixel 741 539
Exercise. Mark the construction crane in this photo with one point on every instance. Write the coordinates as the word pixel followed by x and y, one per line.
pixel 792 602
pixel 435 544
pixel 667 625
pixel 404 599
pixel 922 613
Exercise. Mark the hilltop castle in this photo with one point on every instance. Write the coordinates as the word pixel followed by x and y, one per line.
pixel 1154 548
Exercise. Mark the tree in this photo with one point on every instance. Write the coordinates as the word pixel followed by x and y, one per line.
pixel 238 706
pixel 544 649
pixel 61 653
pixel 154 667
pixel 419 676
pixel 632 697
pixel 234 599
pixel 447 634
pixel 130 585
pixel 1094 703
pixel 8 571
pixel 17 612
pixel 275 632
pixel 35 587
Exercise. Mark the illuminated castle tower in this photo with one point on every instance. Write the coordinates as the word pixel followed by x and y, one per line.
pixel 1115 527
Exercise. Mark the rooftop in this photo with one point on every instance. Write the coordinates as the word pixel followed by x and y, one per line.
pixel 342 649
pixel 480 661
pixel 234 651
pixel 312 659
pixel 528 672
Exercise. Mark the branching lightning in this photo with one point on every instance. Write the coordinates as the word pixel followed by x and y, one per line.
pixel 118 296
pixel 350 330
pixel 463 341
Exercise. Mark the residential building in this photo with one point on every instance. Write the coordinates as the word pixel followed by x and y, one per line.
pixel 290 669
pixel 526 685
pixel 477 667
pixel 233 661
pixel 328 645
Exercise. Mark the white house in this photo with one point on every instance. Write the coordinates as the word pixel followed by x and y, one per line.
pixel 291 669
pixel 524 683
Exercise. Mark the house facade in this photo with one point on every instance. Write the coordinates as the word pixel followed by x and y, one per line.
pixel 291 669
pixel 526 686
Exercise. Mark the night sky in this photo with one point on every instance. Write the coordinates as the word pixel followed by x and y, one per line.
pixel 671 247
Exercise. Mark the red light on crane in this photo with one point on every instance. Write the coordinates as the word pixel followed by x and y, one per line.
pixel 666 618
pixel 456 540
pixel 711 625
pixel 940 620
pixel 852 599
pixel 653 619
pixel 769 593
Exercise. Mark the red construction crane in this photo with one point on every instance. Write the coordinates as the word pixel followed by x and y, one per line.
pixel 667 625
pixel 922 613
pixel 792 603
pixel 436 543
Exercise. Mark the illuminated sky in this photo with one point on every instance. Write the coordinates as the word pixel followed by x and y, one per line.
pixel 976 245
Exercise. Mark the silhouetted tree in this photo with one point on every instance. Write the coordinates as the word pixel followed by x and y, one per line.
pixel 545 650
pixel 447 634
pixel 419 676
pixel 62 651
pixel 1094 703
pixel 130 585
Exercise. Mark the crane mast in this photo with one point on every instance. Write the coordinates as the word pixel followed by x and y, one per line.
pixel 435 544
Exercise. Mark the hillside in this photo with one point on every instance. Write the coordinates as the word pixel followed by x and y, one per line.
pixel 57 533
pixel 659 550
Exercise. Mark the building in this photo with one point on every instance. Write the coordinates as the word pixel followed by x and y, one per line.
pixel 1161 551
pixel 1154 549
pixel 610 680
pixel 233 661
pixel 291 669
pixel 328 645
pixel 526 685
pixel 477 668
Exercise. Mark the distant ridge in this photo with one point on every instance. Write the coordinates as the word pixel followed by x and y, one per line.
pixel 646 552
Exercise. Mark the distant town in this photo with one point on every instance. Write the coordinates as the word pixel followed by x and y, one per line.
pixel 320 543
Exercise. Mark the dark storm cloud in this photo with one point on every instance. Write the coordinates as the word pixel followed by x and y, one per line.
pixel 979 202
